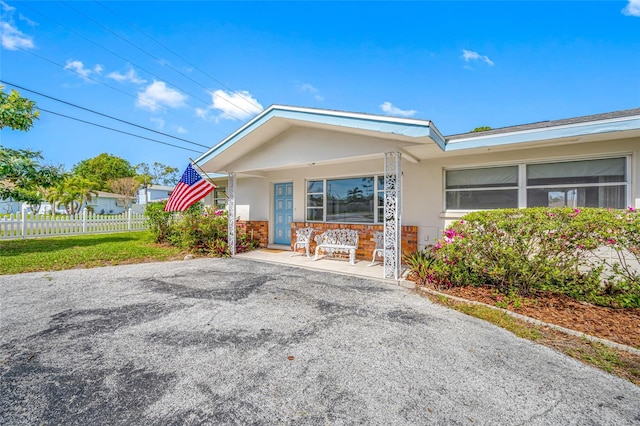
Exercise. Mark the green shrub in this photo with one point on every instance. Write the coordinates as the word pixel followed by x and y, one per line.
pixel 158 220
pixel 198 229
pixel 562 250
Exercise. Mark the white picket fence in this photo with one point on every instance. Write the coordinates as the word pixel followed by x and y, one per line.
pixel 21 225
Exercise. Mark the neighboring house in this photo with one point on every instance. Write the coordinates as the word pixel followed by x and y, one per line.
pixel 8 206
pixel 292 167
pixel 153 193
pixel 106 203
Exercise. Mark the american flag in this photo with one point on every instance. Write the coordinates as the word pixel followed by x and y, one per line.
pixel 189 190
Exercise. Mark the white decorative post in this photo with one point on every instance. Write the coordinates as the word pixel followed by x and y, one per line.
pixel 84 220
pixel 392 215
pixel 231 213
pixel 129 219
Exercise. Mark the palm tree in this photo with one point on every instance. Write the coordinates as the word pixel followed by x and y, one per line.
pixel 354 194
pixel 72 192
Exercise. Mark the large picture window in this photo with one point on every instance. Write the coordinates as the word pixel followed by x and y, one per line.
pixel 586 183
pixel 347 200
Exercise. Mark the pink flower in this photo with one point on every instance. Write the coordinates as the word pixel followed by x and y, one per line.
pixel 576 211
pixel 631 209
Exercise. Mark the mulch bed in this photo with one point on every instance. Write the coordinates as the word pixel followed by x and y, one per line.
pixel 618 325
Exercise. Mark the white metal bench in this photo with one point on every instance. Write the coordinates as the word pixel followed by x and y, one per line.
pixel 338 241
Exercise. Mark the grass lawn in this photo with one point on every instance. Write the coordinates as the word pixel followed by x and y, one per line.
pixel 83 251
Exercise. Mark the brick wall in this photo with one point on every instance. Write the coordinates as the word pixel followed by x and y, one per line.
pixel 259 228
pixel 366 244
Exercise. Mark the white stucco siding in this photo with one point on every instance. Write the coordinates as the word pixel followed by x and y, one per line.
pixel 423 186
pixel 298 147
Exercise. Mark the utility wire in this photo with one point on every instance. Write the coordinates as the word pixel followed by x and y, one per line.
pixel 117 54
pixel 160 61
pixel 119 131
pixel 104 115
pixel 174 53
pixel 108 85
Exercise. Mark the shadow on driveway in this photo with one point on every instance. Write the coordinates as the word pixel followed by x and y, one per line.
pixel 234 341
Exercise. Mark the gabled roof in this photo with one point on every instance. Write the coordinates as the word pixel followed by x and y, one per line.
pixel 277 118
pixel 417 139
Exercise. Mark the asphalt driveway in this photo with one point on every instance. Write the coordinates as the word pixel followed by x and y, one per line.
pixel 234 341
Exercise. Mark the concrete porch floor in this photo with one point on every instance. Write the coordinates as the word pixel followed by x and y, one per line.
pixel 334 265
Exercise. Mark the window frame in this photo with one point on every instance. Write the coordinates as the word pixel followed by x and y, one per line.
pixel 523 187
pixel 376 192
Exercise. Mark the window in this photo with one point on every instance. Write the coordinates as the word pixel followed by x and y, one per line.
pixel 315 200
pixel 349 200
pixel 219 197
pixel 487 188
pixel 587 183
pixel 591 183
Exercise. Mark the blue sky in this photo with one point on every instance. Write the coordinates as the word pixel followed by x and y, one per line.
pixel 199 70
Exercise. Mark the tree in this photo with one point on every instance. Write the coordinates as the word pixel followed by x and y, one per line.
pixel 72 192
pixel 126 187
pixel 104 168
pixel 16 112
pixel 481 129
pixel 159 174
pixel 24 178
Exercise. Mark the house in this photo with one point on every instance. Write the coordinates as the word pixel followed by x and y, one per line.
pixel 294 167
pixel 146 194
pixel 106 203
pixel 8 206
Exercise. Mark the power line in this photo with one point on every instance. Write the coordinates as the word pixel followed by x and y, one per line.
pixel 104 115
pixel 119 131
pixel 175 53
pixel 108 85
pixel 117 55
pixel 160 61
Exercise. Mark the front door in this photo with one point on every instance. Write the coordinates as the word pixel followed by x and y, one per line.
pixel 283 212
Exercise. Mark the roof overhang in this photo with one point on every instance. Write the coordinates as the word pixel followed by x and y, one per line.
pixel 277 119
pixel 416 139
pixel 621 127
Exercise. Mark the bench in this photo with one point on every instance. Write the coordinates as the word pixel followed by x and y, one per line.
pixel 338 241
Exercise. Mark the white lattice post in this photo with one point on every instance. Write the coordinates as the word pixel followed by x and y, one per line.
pixel 392 214
pixel 231 213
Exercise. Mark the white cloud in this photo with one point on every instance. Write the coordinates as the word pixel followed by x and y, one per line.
pixel 469 55
pixel 159 122
pixel 157 94
pixel 79 68
pixel 238 105
pixel 13 39
pixel 130 76
pixel 27 20
pixel 632 8
pixel 181 130
pixel 6 7
pixel 98 69
pixel 392 110
pixel 308 88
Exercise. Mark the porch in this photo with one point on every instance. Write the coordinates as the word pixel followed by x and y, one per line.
pixel 282 255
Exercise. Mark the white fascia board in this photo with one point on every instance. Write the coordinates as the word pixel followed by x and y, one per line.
pixel 542 134
pixel 391 125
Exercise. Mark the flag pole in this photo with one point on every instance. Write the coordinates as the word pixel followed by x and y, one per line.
pixel 206 175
